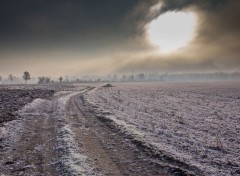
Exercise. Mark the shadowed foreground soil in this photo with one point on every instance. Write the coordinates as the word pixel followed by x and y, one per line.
pixel 13 100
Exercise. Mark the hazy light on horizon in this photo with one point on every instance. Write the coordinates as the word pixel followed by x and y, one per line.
pixel 106 37
pixel 172 30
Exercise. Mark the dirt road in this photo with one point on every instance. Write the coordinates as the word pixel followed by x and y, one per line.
pixel 63 137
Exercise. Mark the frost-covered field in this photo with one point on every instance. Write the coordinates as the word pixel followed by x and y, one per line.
pixel 14 97
pixel 197 123
pixel 43 129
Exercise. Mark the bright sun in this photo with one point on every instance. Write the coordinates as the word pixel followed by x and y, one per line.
pixel 172 31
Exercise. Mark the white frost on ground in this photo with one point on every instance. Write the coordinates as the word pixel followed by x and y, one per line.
pixel 73 160
pixel 197 123
pixel 62 93
pixel 37 107
pixel 131 129
pixel 3 132
pixel 9 132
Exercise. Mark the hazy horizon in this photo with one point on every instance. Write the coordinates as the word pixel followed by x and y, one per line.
pixel 59 37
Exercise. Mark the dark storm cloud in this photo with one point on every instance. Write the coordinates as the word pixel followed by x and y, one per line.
pixel 115 31
pixel 169 5
pixel 80 21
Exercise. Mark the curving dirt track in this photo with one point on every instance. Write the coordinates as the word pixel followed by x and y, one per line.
pixel 62 136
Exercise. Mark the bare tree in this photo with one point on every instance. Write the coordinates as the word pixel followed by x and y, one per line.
pixel 60 79
pixel 10 77
pixel 47 79
pixel 41 80
pixel 26 76
pixel 141 76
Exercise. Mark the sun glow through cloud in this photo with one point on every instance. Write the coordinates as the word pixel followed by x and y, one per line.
pixel 172 31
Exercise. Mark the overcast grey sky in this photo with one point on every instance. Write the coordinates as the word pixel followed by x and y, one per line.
pixel 72 37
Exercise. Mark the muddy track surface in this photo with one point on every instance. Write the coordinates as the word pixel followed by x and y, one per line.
pixel 63 137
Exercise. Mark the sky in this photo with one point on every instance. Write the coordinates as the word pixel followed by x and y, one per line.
pixel 77 37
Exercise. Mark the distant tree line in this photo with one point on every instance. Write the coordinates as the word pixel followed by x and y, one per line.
pixel 44 80
pixel 26 76
pixel 131 77
pixel 47 80
pixel 159 77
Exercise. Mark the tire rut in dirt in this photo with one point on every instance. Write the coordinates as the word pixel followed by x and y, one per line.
pixel 88 142
pixel 112 152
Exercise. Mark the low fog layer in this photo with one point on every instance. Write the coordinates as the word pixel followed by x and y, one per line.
pixel 127 77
